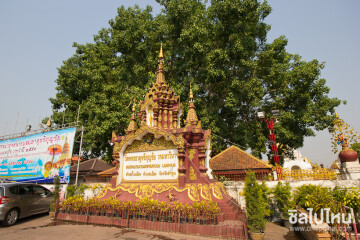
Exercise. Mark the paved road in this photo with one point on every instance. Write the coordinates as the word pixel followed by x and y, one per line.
pixel 41 227
pixel 274 231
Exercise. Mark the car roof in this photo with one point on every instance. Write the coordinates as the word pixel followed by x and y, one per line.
pixel 15 183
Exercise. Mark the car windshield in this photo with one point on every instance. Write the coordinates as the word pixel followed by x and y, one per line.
pixel 1 191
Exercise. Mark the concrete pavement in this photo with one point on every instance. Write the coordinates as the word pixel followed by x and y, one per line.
pixel 41 227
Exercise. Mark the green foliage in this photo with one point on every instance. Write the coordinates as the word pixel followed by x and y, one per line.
pixel 52 207
pixel 314 196
pixel 57 187
pixel 282 198
pixel 265 194
pixel 356 147
pixel 349 197
pixel 221 48
pixel 70 191
pixel 73 190
pixel 255 203
pixel 301 193
pixel 222 179
pixel 56 193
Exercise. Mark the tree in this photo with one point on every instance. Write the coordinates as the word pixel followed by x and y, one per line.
pixel 219 47
pixel 282 198
pixel 356 148
pixel 255 204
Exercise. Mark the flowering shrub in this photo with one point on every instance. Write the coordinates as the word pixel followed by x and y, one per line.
pixel 144 206
pixel 349 197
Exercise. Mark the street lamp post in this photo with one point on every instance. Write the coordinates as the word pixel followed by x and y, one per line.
pixel 270 125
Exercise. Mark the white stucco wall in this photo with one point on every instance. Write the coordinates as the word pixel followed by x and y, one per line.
pixel 236 189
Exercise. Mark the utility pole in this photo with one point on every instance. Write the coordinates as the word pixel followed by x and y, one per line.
pixel 270 125
pixel 77 169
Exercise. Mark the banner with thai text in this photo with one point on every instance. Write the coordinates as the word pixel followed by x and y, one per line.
pixel 39 157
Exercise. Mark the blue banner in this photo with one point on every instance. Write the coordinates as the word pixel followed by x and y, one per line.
pixel 39 157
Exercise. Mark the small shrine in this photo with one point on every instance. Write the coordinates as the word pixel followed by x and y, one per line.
pixel 298 162
pixel 160 159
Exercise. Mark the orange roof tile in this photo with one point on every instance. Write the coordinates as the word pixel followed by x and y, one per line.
pixel 234 158
pixel 109 171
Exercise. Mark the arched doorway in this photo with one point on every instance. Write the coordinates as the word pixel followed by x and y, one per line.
pixel 295 167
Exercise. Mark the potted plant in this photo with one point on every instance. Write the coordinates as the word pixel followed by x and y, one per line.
pixel 255 207
pixel 56 196
pixel 214 210
pixel 52 210
pixel 282 198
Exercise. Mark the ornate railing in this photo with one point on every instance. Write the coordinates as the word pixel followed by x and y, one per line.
pixel 314 174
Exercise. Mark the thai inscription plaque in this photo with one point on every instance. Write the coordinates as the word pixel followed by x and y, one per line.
pixel 157 165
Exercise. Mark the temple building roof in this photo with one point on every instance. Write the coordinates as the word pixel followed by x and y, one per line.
pixel 108 172
pixel 160 109
pixel 91 166
pixel 234 158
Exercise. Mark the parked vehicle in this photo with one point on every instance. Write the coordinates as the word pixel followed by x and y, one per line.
pixel 19 200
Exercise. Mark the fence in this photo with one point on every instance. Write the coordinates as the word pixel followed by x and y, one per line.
pixel 190 222
pixel 286 174
pixel 344 231
pixel 303 175
pixel 240 175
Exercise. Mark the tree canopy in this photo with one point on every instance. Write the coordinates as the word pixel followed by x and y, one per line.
pixel 221 48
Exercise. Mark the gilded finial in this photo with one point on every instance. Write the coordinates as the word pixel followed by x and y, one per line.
pixel 160 78
pixel 133 107
pixel 191 116
pixel 132 125
pixel 191 94
pixel 161 55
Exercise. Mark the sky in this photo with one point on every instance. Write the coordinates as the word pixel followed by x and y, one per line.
pixel 37 36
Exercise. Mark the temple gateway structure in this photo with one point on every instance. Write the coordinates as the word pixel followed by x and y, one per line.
pixel 160 159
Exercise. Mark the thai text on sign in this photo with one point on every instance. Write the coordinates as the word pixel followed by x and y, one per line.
pixel 150 165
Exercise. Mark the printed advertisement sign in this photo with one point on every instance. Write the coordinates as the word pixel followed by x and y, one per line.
pixel 156 165
pixel 39 157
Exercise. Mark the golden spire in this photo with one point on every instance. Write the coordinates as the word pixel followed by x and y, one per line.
pixel 132 125
pixel 160 78
pixel 161 55
pixel 133 107
pixel 191 94
pixel 191 116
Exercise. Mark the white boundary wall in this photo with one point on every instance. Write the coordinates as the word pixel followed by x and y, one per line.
pixel 236 189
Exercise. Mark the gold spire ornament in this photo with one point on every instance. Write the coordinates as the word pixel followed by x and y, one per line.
pixel 192 116
pixel 191 94
pixel 160 76
pixel 161 55
pixel 132 125
pixel 133 108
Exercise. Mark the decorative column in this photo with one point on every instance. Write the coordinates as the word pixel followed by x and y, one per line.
pixel 203 169
pixel 156 115
pixel 181 169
